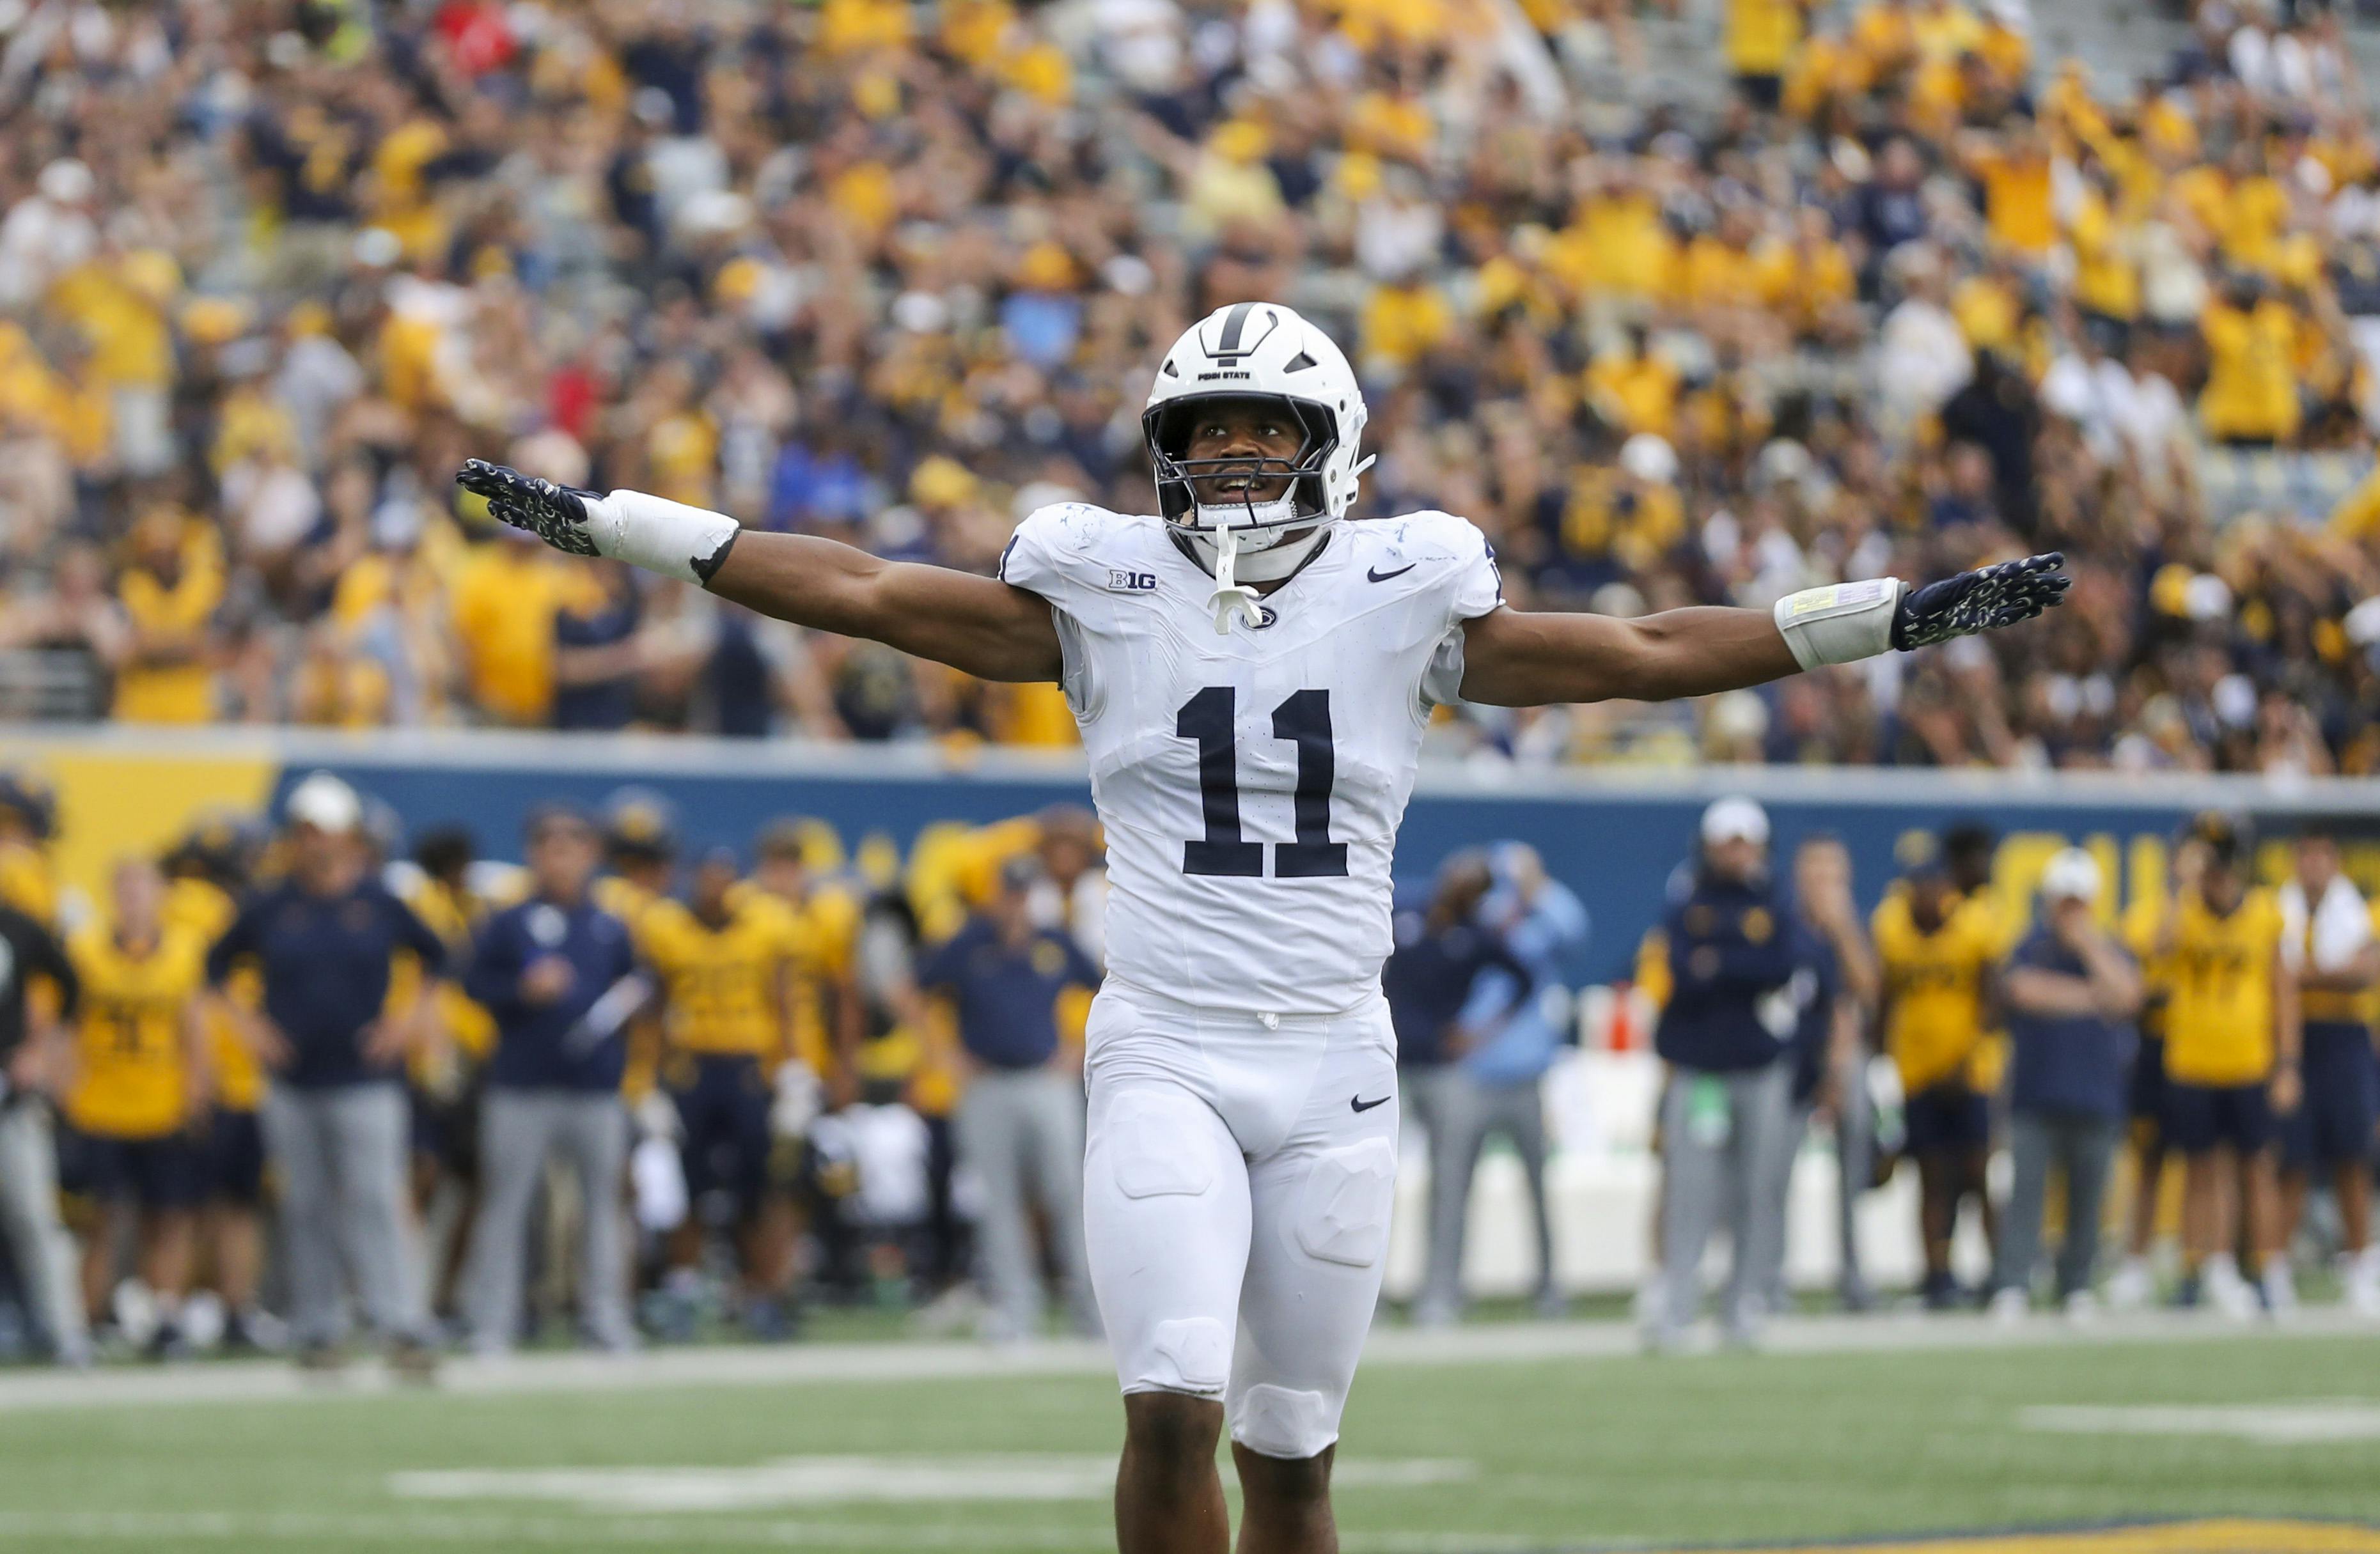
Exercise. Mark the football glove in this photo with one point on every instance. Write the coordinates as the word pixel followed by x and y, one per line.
pixel 556 514
pixel 1984 600
pixel 669 538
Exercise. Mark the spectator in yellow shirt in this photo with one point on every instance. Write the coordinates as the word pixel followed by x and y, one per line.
pixel 1885 40
pixel 1761 38
pixel 1634 388
pixel 505 601
pixel 2014 170
pixel 170 589
pixel 2107 263
pixel 2251 398
pixel 1403 320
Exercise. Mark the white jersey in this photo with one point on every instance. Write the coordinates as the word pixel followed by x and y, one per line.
pixel 1251 784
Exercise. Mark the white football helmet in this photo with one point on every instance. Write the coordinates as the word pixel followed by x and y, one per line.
pixel 1255 350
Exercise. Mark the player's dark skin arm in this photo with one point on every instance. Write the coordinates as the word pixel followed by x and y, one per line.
pixel 995 632
pixel 1516 659
pixel 985 628
pixel 978 625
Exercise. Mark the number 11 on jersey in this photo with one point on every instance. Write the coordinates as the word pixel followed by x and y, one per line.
pixel 1303 720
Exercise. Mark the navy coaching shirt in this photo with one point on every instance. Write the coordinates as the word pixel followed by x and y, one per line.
pixel 2074 1064
pixel 1733 946
pixel 1007 998
pixel 1428 981
pixel 325 961
pixel 556 1046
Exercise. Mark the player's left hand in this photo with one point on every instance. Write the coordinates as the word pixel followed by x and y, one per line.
pixel 1980 600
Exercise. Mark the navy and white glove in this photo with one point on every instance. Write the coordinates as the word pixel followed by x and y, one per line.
pixel 1984 600
pixel 1843 623
pixel 669 538
pixel 556 514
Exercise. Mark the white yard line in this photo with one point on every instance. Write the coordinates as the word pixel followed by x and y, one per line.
pixel 795 1365
pixel 411 1529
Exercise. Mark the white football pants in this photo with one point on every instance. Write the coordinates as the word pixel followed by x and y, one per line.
pixel 1236 1196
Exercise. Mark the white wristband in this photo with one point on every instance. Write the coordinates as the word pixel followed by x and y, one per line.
pixel 1840 623
pixel 659 535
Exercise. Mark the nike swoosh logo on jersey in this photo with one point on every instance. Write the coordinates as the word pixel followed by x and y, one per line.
pixel 1359 1103
pixel 1377 576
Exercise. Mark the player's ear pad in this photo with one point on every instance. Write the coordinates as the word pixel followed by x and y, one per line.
pixel 1147 1132
pixel 1342 1212
pixel 1276 1422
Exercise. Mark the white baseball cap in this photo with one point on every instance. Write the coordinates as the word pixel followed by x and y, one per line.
pixel 2070 875
pixel 1735 819
pixel 325 803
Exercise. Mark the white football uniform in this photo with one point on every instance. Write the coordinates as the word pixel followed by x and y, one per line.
pixel 1241 1067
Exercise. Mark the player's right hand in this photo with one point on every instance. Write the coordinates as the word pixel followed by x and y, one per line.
pixel 556 514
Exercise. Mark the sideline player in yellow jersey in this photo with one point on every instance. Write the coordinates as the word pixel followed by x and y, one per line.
pixel 444 1074
pixel 1938 954
pixel 2231 1046
pixel 139 1097
pixel 206 872
pixel 640 850
pixel 2331 1132
pixel 825 1016
pixel 27 820
pixel 725 963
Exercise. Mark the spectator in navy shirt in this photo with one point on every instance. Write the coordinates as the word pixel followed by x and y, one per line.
pixel 335 1121
pixel 1439 953
pixel 559 975
pixel 2073 997
pixel 1019 1126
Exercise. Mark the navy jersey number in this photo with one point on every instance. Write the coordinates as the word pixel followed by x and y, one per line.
pixel 1305 721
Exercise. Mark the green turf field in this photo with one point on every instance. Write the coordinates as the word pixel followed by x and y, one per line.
pixel 1538 1453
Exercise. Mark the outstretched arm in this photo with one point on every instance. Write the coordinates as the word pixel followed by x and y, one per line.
pixel 1511 659
pixel 1516 659
pixel 979 626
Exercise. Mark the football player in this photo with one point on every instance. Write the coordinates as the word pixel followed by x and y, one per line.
pixel 1251 677
pixel 141 1088
pixel 2331 1132
pixel 206 871
pixel 725 964
pixel 1937 951
pixel 2231 1044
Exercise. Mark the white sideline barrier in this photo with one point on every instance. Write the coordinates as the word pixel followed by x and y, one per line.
pixel 1601 1181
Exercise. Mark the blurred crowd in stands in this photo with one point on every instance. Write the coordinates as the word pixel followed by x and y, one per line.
pixel 1906 297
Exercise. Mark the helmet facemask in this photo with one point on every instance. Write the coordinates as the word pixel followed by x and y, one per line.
pixel 1184 494
pixel 1281 530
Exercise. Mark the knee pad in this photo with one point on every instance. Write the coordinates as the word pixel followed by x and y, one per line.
pixel 1188 1355
pixel 1278 1422
pixel 1342 1210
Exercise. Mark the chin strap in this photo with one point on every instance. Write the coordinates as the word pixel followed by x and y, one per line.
pixel 1229 593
